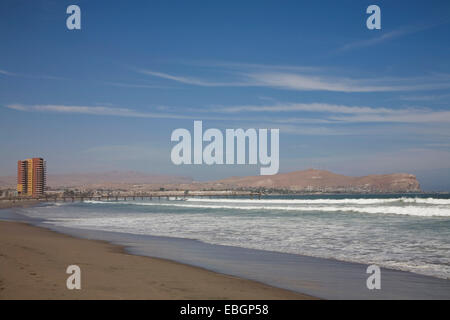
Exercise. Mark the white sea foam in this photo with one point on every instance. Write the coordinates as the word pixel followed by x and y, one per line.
pixel 386 232
pixel 406 206
pixel 405 210
pixel 101 202
pixel 431 201
pixel 329 201
pixel 427 201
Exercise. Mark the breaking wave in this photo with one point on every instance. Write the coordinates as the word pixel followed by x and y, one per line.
pixel 405 233
pixel 402 206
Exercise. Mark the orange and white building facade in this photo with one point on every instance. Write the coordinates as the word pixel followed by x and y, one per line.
pixel 31 177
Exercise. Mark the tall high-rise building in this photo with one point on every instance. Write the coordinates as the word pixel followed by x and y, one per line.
pixel 31 177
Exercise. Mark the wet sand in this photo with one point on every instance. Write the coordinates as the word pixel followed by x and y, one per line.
pixel 33 264
pixel 6 204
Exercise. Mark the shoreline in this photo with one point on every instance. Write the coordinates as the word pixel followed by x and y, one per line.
pixel 304 275
pixel 34 259
pixel 8 204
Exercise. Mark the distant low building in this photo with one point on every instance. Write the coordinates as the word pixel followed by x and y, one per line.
pixel 31 177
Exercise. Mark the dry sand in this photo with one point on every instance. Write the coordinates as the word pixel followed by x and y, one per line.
pixel 33 264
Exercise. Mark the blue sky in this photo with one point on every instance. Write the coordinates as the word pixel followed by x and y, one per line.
pixel 345 98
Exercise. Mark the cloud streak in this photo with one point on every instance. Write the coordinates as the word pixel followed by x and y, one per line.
pixel 328 113
pixel 422 117
pixel 30 76
pixel 315 107
pixel 97 110
pixel 135 85
pixel 307 82
pixel 193 81
pixel 385 36
pixel 7 73
pixel 340 113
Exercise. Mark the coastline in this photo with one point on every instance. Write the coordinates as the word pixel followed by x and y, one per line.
pixel 7 204
pixel 304 276
pixel 33 261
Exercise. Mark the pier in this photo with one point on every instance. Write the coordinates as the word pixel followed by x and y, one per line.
pixel 137 197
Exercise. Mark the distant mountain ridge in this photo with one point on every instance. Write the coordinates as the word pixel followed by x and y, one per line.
pixel 313 180
pixel 310 180
pixel 97 179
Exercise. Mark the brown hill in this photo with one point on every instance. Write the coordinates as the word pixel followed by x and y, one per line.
pixel 104 179
pixel 324 181
pixel 298 181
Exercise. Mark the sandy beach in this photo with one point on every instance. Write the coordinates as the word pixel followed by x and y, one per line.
pixel 35 251
pixel 33 262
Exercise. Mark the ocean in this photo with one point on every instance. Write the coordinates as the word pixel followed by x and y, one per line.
pixel 400 232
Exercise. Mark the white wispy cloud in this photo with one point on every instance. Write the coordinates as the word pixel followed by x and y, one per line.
pixel 329 113
pixel 424 97
pixel 418 117
pixel 193 81
pixel 255 66
pixel 309 107
pixel 332 113
pixel 7 73
pixel 341 84
pixel 385 36
pixel 101 111
pixel 308 82
pixel 30 76
pixel 135 85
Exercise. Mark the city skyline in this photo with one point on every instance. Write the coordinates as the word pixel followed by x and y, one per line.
pixel 346 99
